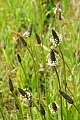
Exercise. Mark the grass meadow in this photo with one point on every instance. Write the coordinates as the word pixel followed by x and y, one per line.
pixel 39 60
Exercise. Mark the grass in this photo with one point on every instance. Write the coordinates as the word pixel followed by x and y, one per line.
pixel 43 82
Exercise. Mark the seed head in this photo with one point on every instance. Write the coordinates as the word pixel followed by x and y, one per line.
pixel 10 85
pixel 53 107
pixel 23 41
pixel 57 11
pixel 66 96
pixel 28 33
pixel 23 93
pixel 42 109
pixel 38 39
pixel 55 36
pixel 52 55
pixel 19 58
pixel 30 29
pixel 55 39
pixel 52 58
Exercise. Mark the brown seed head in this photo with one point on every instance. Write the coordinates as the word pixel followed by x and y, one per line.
pixel 66 96
pixel 23 41
pixel 52 55
pixel 19 58
pixel 55 36
pixel 10 85
pixel 42 109
pixel 23 93
pixel 38 39
pixel 30 29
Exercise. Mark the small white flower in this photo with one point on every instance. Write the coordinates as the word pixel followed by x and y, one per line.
pixel 55 41
pixel 53 107
pixel 50 62
pixel 56 10
pixel 26 34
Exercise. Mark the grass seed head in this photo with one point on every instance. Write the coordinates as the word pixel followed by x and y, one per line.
pixel 51 58
pixel 53 107
pixel 42 110
pixel 30 29
pixel 52 55
pixel 23 41
pixel 66 97
pixel 23 93
pixel 55 36
pixel 19 58
pixel 38 39
pixel 10 85
pixel 55 39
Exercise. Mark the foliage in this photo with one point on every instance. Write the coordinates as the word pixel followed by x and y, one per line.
pixel 43 71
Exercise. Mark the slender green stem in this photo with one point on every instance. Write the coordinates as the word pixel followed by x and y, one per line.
pixel 44 118
pixel 60 89
pixel 24 74
pixel 45 74
pixel 58 78
pixel 72 78
pixel 57 116
pixel 34 65
pixel 19 105
pixel 33 60
pixel 23 70
pixel 71 93
pixel 2 113
pixel 76 108
pixel 68 68
pixel 31 114
pixel 7 59
pixel 64 73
